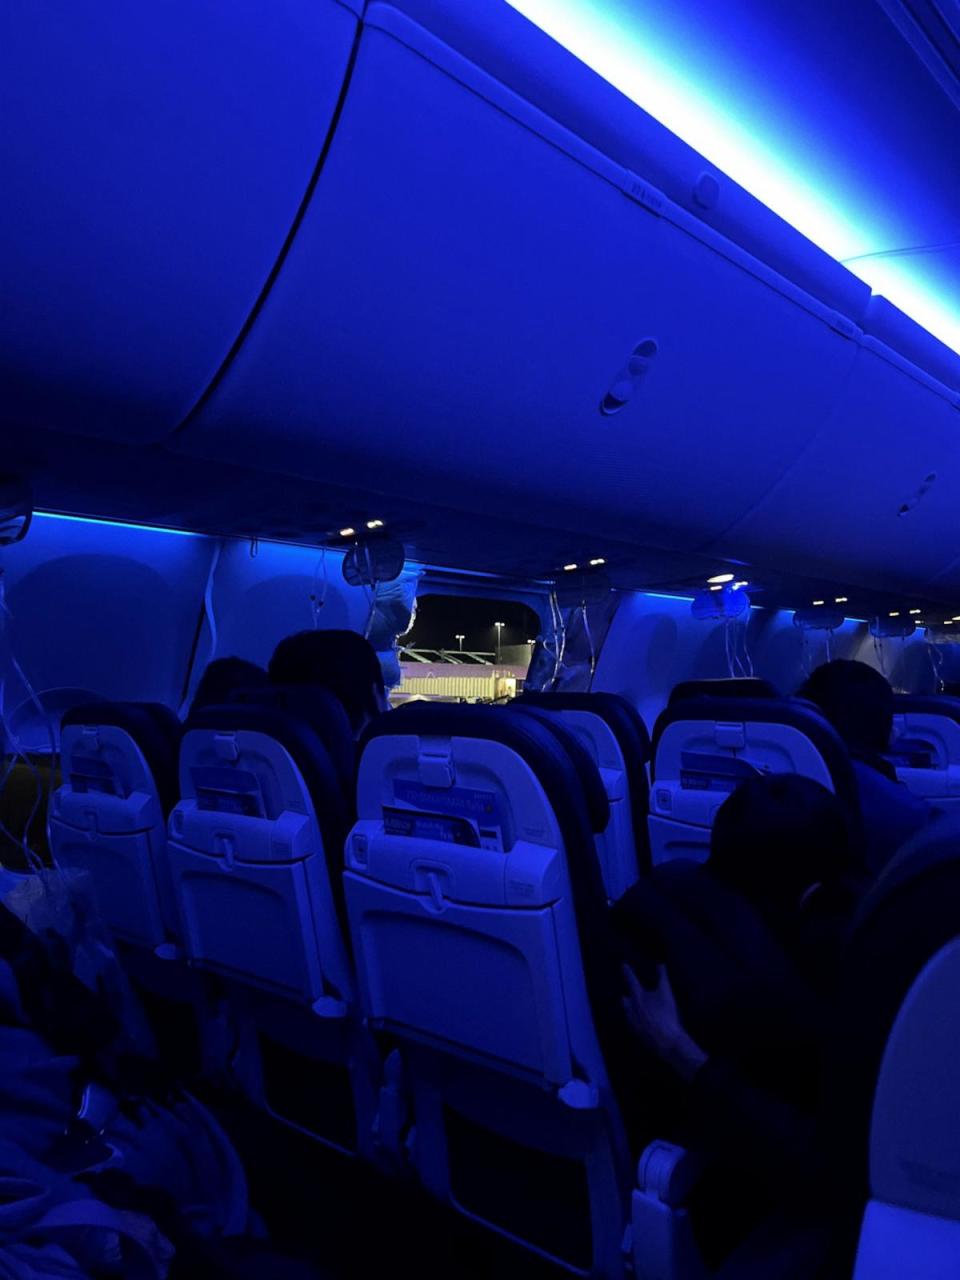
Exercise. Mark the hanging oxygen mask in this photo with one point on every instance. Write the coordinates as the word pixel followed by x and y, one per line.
pixel 581 606
pixel 376 564
pixel 886 632
pixel 729 604
pixel 817 619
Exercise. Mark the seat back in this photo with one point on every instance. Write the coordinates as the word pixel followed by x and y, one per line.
pixel 896 1072
pixel 479 925
pixel 108 817
pixel 615 735
pixel 703 748
pixel 925 747
pixel 261 817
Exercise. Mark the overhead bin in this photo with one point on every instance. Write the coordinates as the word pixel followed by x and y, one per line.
pixel 875 496
pixel 153 160
pixel 472 284
pixel 516 52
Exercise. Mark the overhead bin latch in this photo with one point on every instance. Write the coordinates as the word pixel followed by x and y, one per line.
pixel 644 193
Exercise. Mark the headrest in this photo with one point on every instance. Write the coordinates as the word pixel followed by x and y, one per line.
pixel 304 745
pixel 545 746
pixel 594 792
pixel 780 711
pixel 932 704
pixel 620 715
pixel 154 728
pixel 739 687
pixel 324 713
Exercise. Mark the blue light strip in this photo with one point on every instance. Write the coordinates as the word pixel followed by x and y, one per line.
pixel 645 51
pixel 115 524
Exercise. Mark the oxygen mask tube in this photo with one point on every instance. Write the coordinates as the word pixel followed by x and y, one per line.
pixel 589 634
pixel 210 616
pixel 371 615
pixel 936 663
pixel 559 639
pixel 318 594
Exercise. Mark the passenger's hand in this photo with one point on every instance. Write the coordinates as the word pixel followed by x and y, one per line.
pixel 654 1018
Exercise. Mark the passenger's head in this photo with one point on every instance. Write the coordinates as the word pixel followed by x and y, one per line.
pixel 342 662
pixel 223 677
pixel 856 699
pixel 778 840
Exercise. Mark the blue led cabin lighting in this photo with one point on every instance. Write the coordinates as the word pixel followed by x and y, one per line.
pixel 669 63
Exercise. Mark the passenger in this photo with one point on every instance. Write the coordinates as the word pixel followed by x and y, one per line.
pixel 95 1124
pixel 858 701
pixel 342 662
pixel 223 677
pixel 752 941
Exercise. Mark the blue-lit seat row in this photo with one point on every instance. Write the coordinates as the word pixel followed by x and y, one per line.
pixel 433 926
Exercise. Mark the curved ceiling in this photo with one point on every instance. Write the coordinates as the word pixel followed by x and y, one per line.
pixel 821 110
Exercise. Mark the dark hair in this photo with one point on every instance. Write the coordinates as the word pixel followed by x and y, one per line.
pixel 341 661
pixel 778 835
pixel 856 699
pixel 223 677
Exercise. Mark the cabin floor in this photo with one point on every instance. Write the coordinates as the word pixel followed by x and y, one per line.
pixel 348 1220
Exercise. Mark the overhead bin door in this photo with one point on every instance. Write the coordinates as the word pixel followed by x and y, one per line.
pixel 153 157
pixel 875 497
pixel 468 283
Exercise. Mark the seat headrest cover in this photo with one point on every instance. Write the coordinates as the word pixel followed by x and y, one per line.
pixel 617 712
pixel 153 727
pixel 932 704
pixel 781 711
pixel 594 792
pixel 740 687
pixel 305 747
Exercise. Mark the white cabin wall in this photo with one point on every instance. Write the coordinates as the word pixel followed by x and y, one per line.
pixel 104 607
pixel 114 609
pixel 655 642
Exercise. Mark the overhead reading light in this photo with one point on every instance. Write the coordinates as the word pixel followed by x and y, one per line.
pixel 347 533
pixel 955 618
pixel 818 602
pixel 569 568
pixel 374 524
pixel 949 622
pixel 717 587
pixel 598 560
pixel 915 610
pixel 894 613
pixel 738 586
pixel 840 599
pixel 721 578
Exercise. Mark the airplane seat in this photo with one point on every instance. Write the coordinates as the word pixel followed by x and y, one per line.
pixel 108 817
pixel 925 747
pixel 256 853
pixel 704 747
pixel 481 934
pixel 897 1085
pixel 726 687
pixel 616 736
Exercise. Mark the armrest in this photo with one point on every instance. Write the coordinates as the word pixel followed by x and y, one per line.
pixel 660 1237
pixel 669 1173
